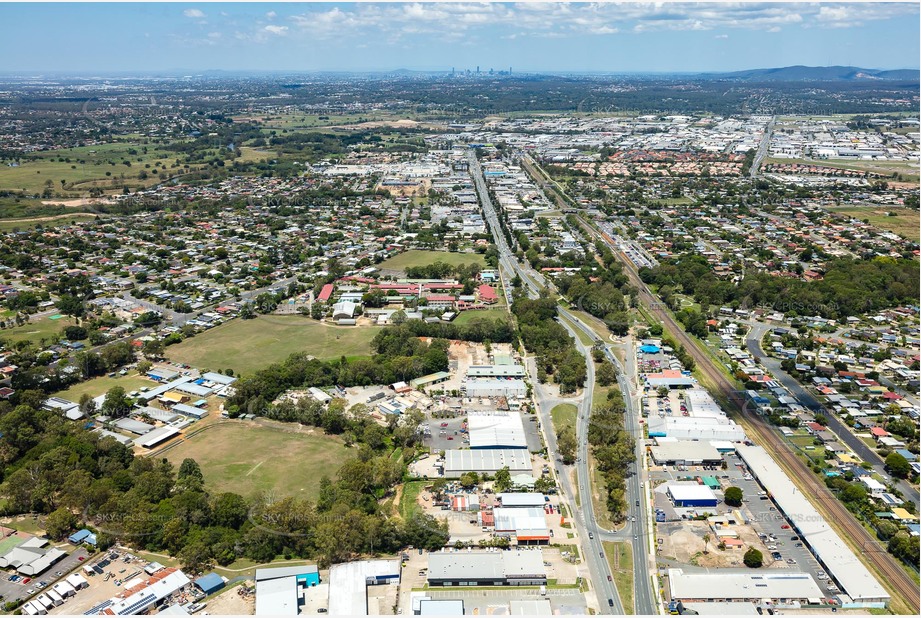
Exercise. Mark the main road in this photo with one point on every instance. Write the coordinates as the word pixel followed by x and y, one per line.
pixel 590 532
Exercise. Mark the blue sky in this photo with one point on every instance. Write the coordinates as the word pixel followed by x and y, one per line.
pixel 628 37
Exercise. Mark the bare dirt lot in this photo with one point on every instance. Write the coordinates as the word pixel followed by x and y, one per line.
pixel 684 542
pixel 231 602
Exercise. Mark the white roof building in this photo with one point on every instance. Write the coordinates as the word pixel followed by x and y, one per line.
pixel 729 584
pixel 496 430
pixel 829 548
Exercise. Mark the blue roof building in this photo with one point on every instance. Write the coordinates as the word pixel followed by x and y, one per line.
pixel 210 583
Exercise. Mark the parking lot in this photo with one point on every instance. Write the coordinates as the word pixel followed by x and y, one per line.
pixel 13 591
pixel 768 520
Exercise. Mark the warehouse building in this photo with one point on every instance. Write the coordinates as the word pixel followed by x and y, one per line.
pixel 495 388
pixel 280 591
pixel 475 372
pixel 700 404
pixel 157 436
pixel 691 495
pixel 502 568
pixel 528 525
pixel 349 581
pixel 759 586
pixel 695 428
pixel 669 452
pixel 496 430
pixel 829 549
pixel 460 461
pixel 522 500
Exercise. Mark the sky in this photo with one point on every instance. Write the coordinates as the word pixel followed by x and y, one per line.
pixel 435 36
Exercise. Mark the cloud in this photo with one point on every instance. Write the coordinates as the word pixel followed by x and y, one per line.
pixel 721 36
pixel 276 30
pixel 194 13
pixel 467 20
pixel 271 14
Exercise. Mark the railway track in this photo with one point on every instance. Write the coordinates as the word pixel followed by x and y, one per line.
pixel 893 576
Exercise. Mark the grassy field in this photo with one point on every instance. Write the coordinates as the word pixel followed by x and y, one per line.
pixel 36 330
pixel 248 345
pixel 488 314
pixel 564 415
pixel 417 257
pixel 906 223
pixel 908 169
pixel 408 504
pixel 101 385
pixel 87 167
pixel 247 459
pixel 620 559
pixel 15 225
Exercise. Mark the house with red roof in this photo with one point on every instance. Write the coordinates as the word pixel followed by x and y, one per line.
pixel 487 295
pixel 878 432
pixel 326 293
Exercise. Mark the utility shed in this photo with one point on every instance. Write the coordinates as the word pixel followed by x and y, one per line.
pixel 156 436
pixel 210 583
pixel 854 579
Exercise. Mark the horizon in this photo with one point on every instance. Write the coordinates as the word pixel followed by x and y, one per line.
pixel 538 38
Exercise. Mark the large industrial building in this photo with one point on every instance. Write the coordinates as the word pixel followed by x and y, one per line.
pixel 500 568
pixel 852 577
pixel 695 428
pixel 509 388
pixel 280 591
pixel 461 461
pixel 671 452
pixel 141 595
pixel 756 586
pixel 349 581
pixel 496 430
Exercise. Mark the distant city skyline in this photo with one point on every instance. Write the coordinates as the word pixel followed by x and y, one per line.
pixel 436 36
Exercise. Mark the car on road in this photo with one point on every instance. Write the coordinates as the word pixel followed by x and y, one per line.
pixel 591 535
pixel 609 578
pixel 785 527
pixel 637 502
pixel 791 561
pixel 794 538
pixel 610 602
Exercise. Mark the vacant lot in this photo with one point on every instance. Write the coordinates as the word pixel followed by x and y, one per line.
pixel 424 258
pixel 101 385
pixel 37 329
pixel 247 458
pixel 905 223
pixel 484 314
pixel 249 345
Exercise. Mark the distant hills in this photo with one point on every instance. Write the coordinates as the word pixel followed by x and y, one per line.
pixel 804 73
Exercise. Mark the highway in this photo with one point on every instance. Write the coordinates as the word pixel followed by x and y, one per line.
pixel 584 519
pixel 762 148
pixel 638 524
pixel 869 455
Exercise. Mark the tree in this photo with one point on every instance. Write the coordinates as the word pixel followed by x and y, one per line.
pixel 706 543
pixel 469 480
pixel 566 442
pixel 898 465
pixel 753 558
pixel 153 348
pixel 59 523
pixel 69 304
pixel 116 403
pixel 503 481
pixel 189 477
pixel 606 374
pixel 733 496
